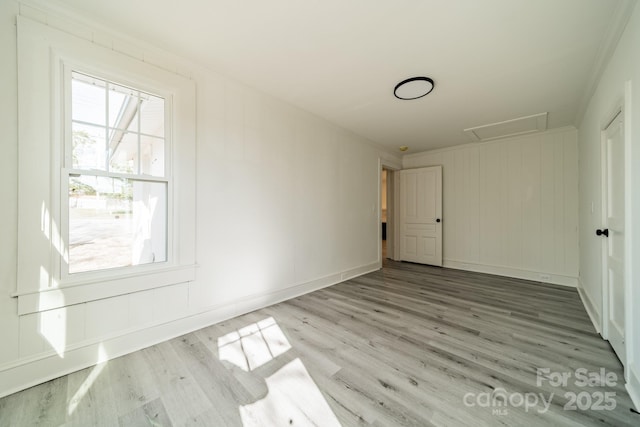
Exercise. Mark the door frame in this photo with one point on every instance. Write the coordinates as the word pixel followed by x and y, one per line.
pixel 604 191
pixel 393 170
pixel 631 329
pixel 622 107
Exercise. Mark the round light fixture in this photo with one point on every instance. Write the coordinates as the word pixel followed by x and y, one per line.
pixel 403 148
pixel 413 88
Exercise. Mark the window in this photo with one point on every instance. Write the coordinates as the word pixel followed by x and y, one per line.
pixel 115 158
pixel 107 172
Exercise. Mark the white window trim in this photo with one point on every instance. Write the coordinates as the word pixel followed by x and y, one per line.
pixel 44 56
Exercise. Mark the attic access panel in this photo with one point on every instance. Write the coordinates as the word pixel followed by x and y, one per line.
pixel 507 128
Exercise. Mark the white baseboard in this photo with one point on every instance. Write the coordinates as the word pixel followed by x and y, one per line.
pixel 36 370
pixel 536 276
pixel 633 387
pixel 254 302
pixel 593 313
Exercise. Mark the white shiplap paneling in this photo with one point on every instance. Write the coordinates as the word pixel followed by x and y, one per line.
pixel 511 206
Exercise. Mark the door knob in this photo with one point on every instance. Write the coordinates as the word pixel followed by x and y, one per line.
pixel 604 232
pixel 437 219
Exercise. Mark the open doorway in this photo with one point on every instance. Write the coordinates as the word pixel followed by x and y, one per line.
pixel 383 210
pixel 387 213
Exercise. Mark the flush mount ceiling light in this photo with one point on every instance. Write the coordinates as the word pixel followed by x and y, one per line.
pixel 413 88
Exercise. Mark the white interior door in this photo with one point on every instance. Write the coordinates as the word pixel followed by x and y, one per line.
pixel 614 235
pixel 421 215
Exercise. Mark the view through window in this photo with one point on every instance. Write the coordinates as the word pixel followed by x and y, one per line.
pixel 116 175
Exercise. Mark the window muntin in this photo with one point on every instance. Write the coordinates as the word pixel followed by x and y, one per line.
pixel 116 176
pixel 132 121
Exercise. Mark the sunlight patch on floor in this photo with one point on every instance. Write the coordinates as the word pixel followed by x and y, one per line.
pixel 293 400
pixel 254 345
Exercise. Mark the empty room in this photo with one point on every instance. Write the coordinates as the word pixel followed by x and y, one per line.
pixel 320 213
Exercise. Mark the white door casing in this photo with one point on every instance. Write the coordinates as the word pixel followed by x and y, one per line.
pixel 421 215
pixel 613 175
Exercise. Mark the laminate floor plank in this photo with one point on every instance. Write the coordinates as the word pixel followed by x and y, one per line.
pixel 409 345
pixel 150 414
pixel 132 383
pixel 217 383
pixel 42 405
pixel 90 399
pixel 182 397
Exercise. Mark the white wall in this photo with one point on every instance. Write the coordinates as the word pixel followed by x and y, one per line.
pixel 510 206
pixel 286 203
pixel 283 198
pixel 8 182
pixel 623 66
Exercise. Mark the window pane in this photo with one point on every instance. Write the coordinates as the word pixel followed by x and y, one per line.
pixel 88 147
pixel 116 222
pixel 152 156
pixel 123 108
pixel 152 115
pixel 88 99
pixel 123 152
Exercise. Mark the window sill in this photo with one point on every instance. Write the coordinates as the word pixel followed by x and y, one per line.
pixel 81 292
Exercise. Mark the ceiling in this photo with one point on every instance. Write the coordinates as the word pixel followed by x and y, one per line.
pixel 491 60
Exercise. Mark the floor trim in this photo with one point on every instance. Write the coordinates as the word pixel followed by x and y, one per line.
pixel 633 387
pixel 594 315
pixel 536 276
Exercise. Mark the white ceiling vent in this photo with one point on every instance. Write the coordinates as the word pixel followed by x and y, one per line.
pixel 513 127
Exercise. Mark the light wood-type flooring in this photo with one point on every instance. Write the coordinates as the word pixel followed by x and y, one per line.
pixel 407 345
